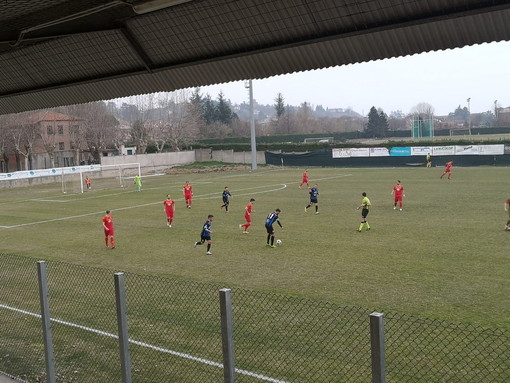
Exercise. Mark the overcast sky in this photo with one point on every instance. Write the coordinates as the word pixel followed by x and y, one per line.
pixel 443 79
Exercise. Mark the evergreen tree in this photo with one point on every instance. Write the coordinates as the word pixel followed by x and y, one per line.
pixel 223 113
pixel 377 125
pixel 279 106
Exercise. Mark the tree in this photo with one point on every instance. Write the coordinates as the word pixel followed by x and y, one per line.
pixel 279 106
pixel 377 125
pixel 459 114
pixel 223 113
pixel 140 136
pixel 24 135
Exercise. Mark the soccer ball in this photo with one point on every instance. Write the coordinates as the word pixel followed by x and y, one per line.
pixel 278 242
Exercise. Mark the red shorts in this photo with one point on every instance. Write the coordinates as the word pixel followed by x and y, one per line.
pixel 305 180
pixel 398 198
pixel 247 218
pixel 188 196
pixel 109 232
pixel 170 214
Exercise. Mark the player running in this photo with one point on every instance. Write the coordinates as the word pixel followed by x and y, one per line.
pixel 305 179
pixel 247 216
pixel 398 191
pixel 314 195
pixel 365 206
pixel 187 190
pixel 225 196
pixel 205 235
pixel 447 170
pixel 270 220
pixel 169 206
pixel 109 231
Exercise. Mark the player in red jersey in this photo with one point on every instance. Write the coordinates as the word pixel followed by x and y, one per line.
pixel 169 205
pixel 305 179
pixel 247 216
pixel 507 209
pixel 398 191
pixel 109 231
pixel 187 190
pixel 448 170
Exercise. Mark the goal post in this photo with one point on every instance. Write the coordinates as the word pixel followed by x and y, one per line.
pixel 102 177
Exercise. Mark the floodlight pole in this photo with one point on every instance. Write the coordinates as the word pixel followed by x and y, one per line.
pixel 469 114
pixel 249 85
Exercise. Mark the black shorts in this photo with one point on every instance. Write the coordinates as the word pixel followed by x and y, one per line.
pixel 364 213
pixel 314 200
pixel 270 229
pixel 203 239
pixel 226 202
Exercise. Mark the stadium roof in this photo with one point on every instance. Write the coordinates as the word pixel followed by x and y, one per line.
pixel 56 52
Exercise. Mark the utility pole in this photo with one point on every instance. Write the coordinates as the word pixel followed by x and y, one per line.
pixel 469 114
pixel 249 85
pixel 496 111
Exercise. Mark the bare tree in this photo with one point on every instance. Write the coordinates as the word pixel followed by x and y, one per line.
pixel 24 134
pixel 98 127
pixel 423 109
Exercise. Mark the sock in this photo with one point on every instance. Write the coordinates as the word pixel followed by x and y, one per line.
pixel 272 240
pixel 112 241
pixel 198 243
pixel 316 208
pixel 361 226
pixel 307 207
pixel 268 237
pixel 106 241
pixel 208 246
pixel 368 226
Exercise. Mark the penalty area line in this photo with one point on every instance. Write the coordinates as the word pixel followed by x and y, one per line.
pixel 146 345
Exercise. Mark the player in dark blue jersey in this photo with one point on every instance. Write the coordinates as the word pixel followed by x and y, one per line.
pixel 205 235
pixel 314 198
pixel 225 196
pixel 270 220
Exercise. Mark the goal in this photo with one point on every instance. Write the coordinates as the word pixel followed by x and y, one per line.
pixel 101 177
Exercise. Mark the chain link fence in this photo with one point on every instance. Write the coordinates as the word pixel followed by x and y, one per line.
pixel 175 334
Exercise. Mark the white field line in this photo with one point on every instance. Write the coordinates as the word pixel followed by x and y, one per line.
pixel 204 196
pixel 146 345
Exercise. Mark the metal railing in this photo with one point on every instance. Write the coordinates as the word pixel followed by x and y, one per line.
pixel 68 323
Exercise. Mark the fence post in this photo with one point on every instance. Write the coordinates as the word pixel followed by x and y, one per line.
pixel 46 321
pixel 120 298
pixel 377 347
pixel 227 337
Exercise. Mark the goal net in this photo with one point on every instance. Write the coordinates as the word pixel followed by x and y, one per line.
pixel 81 179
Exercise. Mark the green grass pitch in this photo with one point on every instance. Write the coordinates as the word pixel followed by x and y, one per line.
pixel 445 255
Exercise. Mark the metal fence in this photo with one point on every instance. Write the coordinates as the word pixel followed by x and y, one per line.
pixel 179 332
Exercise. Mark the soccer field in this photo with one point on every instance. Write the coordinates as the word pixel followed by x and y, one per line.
pixel 444 256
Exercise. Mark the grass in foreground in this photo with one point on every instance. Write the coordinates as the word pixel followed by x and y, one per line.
pixel 445 256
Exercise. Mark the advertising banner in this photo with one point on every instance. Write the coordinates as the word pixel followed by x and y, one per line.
pixel 341 153
pixel 359 152
pixel 443 150
pixel 400 151
pixel 469 149
pixel 421 150
pixel 491 149
pixel 48 172
pixel 379 152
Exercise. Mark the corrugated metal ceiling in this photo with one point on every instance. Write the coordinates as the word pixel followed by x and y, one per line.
pixel 55 52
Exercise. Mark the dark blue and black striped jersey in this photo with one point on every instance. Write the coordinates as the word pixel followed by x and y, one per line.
pixel 225 195
pixel 271 218
pixel 314 192
pixel 206 229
